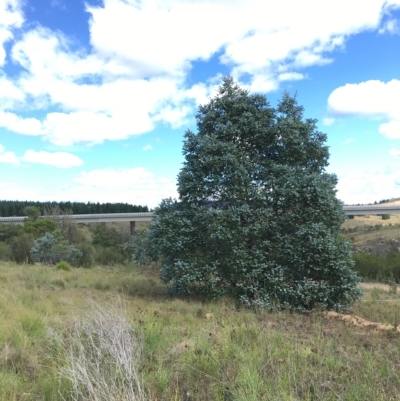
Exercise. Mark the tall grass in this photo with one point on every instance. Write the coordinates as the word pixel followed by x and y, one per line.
pixel 378 268
pixel 103 329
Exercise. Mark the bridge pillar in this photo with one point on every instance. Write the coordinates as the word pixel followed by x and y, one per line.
pixel 133 228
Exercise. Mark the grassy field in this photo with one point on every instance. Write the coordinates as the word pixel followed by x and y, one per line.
pixel 185 349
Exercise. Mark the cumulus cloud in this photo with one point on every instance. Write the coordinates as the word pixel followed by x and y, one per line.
pixel 374 99
pixel 367 99
pixel 368 186
pixel 27 126
pixel 11 17
pixel 125 85
pixel 56 159
pixel 391 129
pixel 391 26
pixel 7 157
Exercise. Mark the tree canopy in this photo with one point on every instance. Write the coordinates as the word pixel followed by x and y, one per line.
pixel 258 218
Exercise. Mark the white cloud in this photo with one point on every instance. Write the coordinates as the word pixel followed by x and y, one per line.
pixel 126 84
pixel 290 76
pixel 348 141
pixel 136 186
pixel 370 99
pixel 56 159
pixel 10 18
pixel 147 147
pixel 328 121
pixel 12 191
pixel 368 186
pixel 391 129
pixel 7 157
pixel 367 99
pixel 391 26
pixel 26 126
pixel 394 153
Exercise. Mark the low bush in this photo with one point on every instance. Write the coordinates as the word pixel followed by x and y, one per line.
pixel 378 268
pixel 7 231
pixel 88 254
pixel 50 250
pixel 63 265
pixel 20 248
pixel 385 216
pixel 108 256
pixel 141 249
pixel 5 251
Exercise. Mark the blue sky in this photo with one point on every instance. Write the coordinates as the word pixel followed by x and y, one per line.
pixel 95 96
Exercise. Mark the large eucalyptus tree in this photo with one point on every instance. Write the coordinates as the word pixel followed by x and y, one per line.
pixel 258 218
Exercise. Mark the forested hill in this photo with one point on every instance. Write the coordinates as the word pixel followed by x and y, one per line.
pixel 16 208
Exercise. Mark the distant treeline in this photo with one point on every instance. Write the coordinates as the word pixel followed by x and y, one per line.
pixel 16 208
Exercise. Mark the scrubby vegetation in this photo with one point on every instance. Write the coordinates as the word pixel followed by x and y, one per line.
pixel 49 240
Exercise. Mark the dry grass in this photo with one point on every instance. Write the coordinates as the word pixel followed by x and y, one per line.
pixel 103 355
pixel 182 349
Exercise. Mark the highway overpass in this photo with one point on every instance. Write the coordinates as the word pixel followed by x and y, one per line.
pixel 133 217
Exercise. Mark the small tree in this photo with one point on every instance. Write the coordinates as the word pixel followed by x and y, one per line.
pixel 32 212
pixel 258 218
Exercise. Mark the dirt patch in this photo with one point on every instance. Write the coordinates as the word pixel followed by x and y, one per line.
pixel 359 322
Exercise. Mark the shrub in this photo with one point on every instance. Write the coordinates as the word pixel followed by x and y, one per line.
pixel 88 253
pixel 378 268
pixel 39 227
pixel 142 249
pixel 48 250
pixel 385 216
pixel 7 231
pixel 108 256
pixel 106 237
pixel 63 265
pixel 20 248
pixel 5 251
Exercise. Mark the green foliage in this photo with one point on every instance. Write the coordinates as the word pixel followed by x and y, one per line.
pixel 63 265
pixel 32 212
pixel 5 251
pixel 378 268
pixel 50 250
pixel 106 237
pixel 88 252
pixel 385 216
pixel 258 218
pixel 7 231
pixel 39 227
pixel 20 248
pixel 142 249
pixel 108 256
